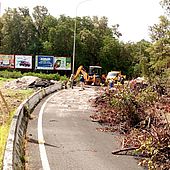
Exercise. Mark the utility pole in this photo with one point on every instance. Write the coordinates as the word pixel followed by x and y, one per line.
pixel 74 42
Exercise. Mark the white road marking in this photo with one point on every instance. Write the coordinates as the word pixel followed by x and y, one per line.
pixel 43 154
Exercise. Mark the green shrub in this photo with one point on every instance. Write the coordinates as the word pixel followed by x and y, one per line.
pixel 55 76
pixel 129 108
pixel 147 96
pixel 10 74
pixel 64 78
pixel 17 74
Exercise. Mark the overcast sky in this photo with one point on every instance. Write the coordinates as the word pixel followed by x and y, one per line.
pixel 133 16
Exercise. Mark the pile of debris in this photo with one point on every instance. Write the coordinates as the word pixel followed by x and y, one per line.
pixel 28 82
pixel 142 118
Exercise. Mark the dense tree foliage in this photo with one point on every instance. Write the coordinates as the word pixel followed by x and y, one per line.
pixel 159 51
pixel 166 5
pixel 96 42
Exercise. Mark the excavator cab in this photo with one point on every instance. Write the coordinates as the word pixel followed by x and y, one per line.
pixel 94 75
pixel 95 70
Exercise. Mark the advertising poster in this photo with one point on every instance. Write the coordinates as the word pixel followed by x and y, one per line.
pixel 62 63
pixel 68 63
pixel 6 61
pixel 44 62
pixel 23 61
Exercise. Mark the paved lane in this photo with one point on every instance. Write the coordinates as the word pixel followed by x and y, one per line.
pixel 71 139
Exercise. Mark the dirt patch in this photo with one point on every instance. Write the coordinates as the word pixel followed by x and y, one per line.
pixel 13 96
pixel 16 90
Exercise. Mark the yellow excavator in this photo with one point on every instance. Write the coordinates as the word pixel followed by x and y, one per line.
pixel 93 77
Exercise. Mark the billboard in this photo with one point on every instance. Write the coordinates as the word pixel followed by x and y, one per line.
pixel 23 61
pixel 44 62
pixel 6 61
pixel 62 63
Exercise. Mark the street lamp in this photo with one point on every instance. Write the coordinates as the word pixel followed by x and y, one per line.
pixel 74 41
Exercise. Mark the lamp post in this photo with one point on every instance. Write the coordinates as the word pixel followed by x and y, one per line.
pixel 74 41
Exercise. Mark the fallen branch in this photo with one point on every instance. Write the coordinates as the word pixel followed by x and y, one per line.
pixel 95 120
pixel 168 124
pixel 125 149
pixel 6 105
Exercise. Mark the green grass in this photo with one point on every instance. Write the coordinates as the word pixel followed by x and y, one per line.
pixel 4 129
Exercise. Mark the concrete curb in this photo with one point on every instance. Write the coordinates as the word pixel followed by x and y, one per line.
pixel 14 151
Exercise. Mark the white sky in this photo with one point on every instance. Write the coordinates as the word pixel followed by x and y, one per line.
pixel 133 16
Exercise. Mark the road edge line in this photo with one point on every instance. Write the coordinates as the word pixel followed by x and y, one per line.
pixel 41 141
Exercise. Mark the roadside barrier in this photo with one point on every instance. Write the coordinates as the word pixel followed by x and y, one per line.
pixel 14 156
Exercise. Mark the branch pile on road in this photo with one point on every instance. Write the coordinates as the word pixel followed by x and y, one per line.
pixel 142 119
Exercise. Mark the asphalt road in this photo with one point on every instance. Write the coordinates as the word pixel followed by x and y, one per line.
pixel 69 140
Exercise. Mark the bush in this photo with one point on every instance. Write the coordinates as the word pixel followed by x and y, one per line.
pixel 126 104
pixel 64 78
pixel 9 74
pixel 17 74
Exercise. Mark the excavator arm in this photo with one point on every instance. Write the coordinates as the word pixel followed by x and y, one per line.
pixel 82 71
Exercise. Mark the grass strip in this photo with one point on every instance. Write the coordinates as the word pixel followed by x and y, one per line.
pixel 4 129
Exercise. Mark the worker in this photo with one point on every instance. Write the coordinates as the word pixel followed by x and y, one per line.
pixel 82 82
pixel 103 78
pixel 132 84
pixel 121 79
pixel 111 83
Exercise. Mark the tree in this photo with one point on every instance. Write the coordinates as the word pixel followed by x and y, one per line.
pixel 1 26
pixel 109 53
pixel 12 29
pixel 49 24
pixel 166 5
pixel 18 32
pixel 141 58
pixel 61 36
pixel 89 39
pixel 39 14
pixel 28 35
pixel 160 50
